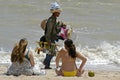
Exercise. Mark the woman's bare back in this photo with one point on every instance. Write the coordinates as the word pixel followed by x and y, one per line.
pixel 67 61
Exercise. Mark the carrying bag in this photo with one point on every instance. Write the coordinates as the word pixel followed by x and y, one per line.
pixel 43 23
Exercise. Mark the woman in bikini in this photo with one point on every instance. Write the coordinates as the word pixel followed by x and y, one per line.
pixel 22 60
pixel 68 57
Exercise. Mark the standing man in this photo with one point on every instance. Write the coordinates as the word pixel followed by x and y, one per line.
pixel 51 32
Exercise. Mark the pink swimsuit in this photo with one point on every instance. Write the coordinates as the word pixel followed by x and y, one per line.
pixel 63 33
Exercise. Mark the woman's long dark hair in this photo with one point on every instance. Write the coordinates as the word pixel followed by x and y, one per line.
pixel 70 47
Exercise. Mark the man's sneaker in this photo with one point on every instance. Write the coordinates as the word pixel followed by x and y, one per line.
pixel 48 68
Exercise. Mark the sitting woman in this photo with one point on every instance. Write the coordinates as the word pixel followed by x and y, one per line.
pixel 22 60
pixel 68 58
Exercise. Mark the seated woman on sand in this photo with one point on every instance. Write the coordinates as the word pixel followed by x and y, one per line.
pixel 22 60
pixel 68 58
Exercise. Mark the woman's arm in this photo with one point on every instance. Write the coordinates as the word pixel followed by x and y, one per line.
pixel 31 59
pixel 80 69
pixel 58 58
pixel 58 69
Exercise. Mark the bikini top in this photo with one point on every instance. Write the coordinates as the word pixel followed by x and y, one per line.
pixel 26 56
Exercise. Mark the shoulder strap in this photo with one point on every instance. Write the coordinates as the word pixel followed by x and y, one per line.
pixel 26 56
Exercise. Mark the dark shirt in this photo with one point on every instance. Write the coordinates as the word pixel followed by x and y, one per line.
pixel 51 30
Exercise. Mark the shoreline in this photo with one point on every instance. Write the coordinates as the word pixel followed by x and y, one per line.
pixel 51 75
pixel 99 67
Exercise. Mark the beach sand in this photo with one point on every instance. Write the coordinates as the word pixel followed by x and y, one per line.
pixel 50 75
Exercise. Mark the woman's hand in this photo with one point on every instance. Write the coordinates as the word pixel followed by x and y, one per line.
pixel 58 71
pixel 80 72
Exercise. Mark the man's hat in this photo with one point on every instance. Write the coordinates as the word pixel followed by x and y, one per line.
pixel 55 7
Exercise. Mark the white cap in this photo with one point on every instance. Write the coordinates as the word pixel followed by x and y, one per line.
pixel 55 7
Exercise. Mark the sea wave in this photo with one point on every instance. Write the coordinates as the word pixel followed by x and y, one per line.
pixel 105 53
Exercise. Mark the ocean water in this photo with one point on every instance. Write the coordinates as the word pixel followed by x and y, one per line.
pixel 95 23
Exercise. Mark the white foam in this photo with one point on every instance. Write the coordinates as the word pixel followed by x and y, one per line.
pixel 2 51
pixel 103 54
